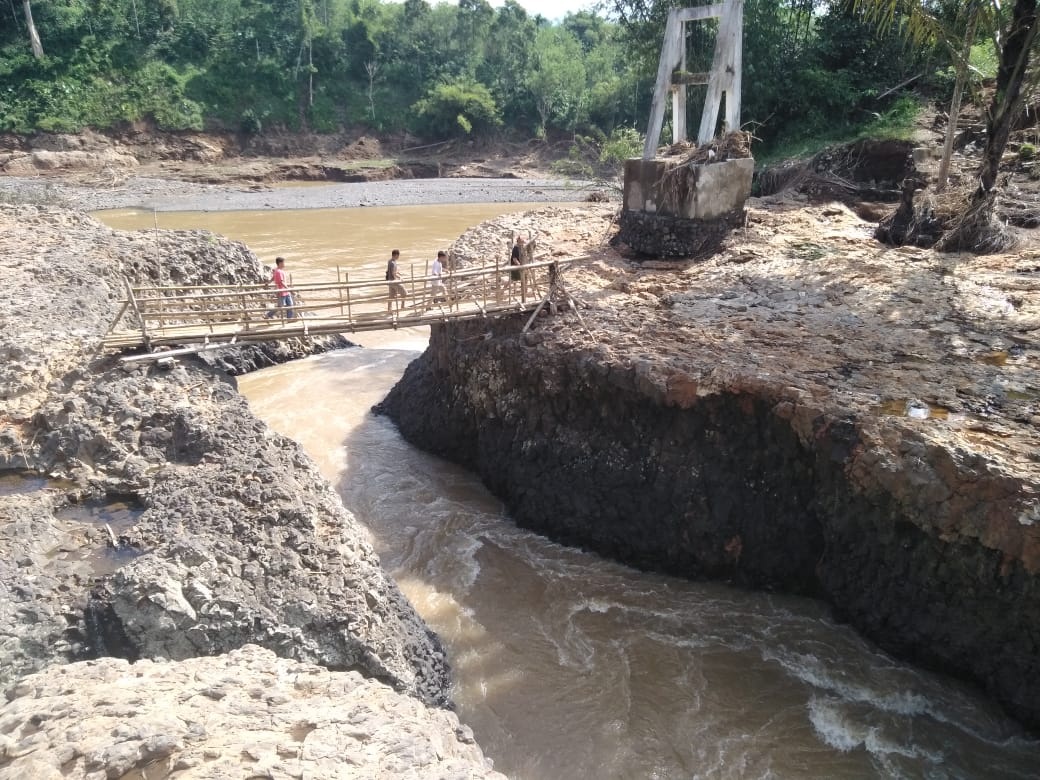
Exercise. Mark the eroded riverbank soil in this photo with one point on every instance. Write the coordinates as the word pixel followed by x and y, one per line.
pixel 207 172
pixel 806 410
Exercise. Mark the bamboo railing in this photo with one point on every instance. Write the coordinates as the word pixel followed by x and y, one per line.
pixel 171 315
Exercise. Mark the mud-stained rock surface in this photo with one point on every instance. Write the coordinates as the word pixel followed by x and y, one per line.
pixel 146 512
pixel 244 714
pixel 806 410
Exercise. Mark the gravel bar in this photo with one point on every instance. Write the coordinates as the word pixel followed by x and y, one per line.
pixel 172 195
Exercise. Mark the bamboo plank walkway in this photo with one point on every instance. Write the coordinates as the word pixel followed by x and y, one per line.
pixel 210 316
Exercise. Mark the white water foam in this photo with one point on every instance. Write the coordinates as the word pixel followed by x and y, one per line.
pixel 838 728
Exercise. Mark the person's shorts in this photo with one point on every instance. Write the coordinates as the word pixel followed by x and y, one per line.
pixel 397 290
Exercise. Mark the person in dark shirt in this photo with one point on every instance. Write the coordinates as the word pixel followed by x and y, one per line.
pixel 516 258
pixel 393 273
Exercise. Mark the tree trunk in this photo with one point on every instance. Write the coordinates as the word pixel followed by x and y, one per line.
pixel 955 104
pixel 370 68
pixel 1014 59
pixel 34 37
pixel 137 22
pixel 976 229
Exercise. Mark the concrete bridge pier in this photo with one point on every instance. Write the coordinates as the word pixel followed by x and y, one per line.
pixel 674 208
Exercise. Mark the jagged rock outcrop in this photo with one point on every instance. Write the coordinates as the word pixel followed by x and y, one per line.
pixel 244 714
pixel 236 538
pixel 801 412
pixel 33 569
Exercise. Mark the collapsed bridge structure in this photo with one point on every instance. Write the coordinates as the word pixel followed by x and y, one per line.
pixel 682 203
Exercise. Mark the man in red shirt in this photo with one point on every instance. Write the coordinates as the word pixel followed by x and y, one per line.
pixel 281 282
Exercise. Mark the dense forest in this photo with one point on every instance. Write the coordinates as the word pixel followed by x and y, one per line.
pixel 811 68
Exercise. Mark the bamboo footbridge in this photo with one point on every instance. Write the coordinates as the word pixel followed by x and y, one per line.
pixel 173 320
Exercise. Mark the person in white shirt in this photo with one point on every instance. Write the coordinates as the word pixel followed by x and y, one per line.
pixel 436 271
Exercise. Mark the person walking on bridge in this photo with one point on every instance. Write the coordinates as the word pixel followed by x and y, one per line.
pixel 437 271
pixel 393 274
pixel 284 301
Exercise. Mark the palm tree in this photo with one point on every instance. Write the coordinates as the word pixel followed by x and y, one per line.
pixel 975 228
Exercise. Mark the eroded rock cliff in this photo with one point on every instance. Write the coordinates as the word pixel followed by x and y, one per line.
pixel 804 411
pixel 232 536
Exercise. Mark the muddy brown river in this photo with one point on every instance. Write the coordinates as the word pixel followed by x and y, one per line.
pixel 567 665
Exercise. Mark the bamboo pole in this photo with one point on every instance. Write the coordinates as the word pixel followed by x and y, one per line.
pixel 498 283
pixel 426 285
pixel 339 289
pixel 133 302
pixel 346 278
pixel 245 308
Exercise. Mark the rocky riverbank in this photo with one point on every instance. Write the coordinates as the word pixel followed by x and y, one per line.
pixel 148 514
pixel 200 172
pixel 806 410
pixel 246 713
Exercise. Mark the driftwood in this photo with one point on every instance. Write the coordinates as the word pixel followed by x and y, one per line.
pixel 731 146
pixel 863 170
pixel 946 220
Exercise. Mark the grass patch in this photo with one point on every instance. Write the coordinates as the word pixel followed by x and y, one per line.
pixel 810 251
pixel 358 165
pixel 898 123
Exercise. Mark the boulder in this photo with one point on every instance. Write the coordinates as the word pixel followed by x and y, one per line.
pixel 248 713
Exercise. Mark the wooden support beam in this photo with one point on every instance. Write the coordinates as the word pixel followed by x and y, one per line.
pixel 690 79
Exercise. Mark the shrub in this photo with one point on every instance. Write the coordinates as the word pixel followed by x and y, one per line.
pixel 897 122
pixel 158 90
pixel 460 107
pixel 623 143
pixel 250 124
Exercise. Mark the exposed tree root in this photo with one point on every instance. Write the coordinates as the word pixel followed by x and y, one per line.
pixel 927 219
pixel 977 229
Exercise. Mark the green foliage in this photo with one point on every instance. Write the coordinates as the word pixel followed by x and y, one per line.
pixel 984 60
pixel 462 105
pixel 1026 152
pixel 158 91
pixel 575 164
pixel 623 143
pixel 896 122
pixel 250 123
pixel 557 80
pixel 811 69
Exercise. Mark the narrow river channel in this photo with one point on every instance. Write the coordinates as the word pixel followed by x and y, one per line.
pixel 569 666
